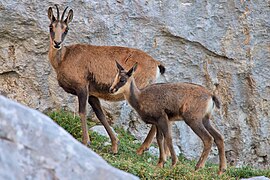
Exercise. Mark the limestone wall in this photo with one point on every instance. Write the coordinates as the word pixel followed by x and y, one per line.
pixel 224 42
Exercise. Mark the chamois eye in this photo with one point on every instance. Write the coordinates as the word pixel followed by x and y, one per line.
pixel 122 80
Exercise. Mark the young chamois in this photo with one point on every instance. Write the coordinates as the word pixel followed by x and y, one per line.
pixel 160 104
pixel 87 71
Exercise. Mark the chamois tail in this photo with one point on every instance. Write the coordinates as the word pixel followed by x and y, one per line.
pixel 161 69
pixel 216 101
pixel 214 97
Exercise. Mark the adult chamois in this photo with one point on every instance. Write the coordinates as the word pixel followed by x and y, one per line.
pixel 87 71
pixel 160 104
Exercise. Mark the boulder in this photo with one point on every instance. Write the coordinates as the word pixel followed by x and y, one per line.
pixel 256 178
pixel 32 146
pixel 101 130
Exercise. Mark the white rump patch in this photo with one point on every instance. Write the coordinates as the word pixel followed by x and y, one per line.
pixel 210 106
pixel 157 73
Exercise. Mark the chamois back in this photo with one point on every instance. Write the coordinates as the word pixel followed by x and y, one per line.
pixel 98 63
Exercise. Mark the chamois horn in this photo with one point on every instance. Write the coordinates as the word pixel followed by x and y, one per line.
pixel 62 18
pixel 57 12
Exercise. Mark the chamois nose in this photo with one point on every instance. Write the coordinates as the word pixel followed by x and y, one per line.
pixel 57 44
pixel 111 90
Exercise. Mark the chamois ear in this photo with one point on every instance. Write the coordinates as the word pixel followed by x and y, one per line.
pixel 69 17
pixel 119 66
pixel 135 66
pixel 132 70
pixel 50 14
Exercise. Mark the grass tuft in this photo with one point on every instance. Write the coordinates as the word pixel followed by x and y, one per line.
pixel 144 166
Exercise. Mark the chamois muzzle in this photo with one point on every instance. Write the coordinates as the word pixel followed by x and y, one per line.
pixel 112 90
pixel 57 45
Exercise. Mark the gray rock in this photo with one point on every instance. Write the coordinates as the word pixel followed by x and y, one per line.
pixel 155 151
pixel 201 42
pixel 256 178
pixel 101 130
pixel 32 146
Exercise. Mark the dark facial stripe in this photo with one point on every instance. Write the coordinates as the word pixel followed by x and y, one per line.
pixel 121 83
pixel 52 33
pixel 64 34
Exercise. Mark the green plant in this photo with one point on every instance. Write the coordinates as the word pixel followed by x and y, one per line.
pixel 144 166
pixel 69 121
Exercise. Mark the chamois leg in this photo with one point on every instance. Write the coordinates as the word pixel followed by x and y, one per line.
pixel 219 140
pixel 160 141
pixel 166 147
pixel 198 127
pixel 165 127
pixel 95 104
pixel 148 140
pixel 82 97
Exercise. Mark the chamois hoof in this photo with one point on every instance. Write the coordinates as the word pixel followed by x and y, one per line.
pixel 198 167
pixel 174 164
pixel 114 150
pixel 141 150
pixel 88 144
pixel 115 147
pixel 160 165
pixel 220 172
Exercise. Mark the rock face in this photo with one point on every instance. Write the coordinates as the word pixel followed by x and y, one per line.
pixel 32 146
pixel 209 42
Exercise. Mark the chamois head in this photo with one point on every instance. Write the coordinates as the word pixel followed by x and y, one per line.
pixel 122 78
pixel 59 27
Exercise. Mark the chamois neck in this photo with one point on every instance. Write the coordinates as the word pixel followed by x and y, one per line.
pixel 132 95
pixel 56 55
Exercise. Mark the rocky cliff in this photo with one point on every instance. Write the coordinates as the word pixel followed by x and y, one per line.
pixel 207 42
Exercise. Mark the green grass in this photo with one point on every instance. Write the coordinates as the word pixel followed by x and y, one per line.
pixel 144 166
